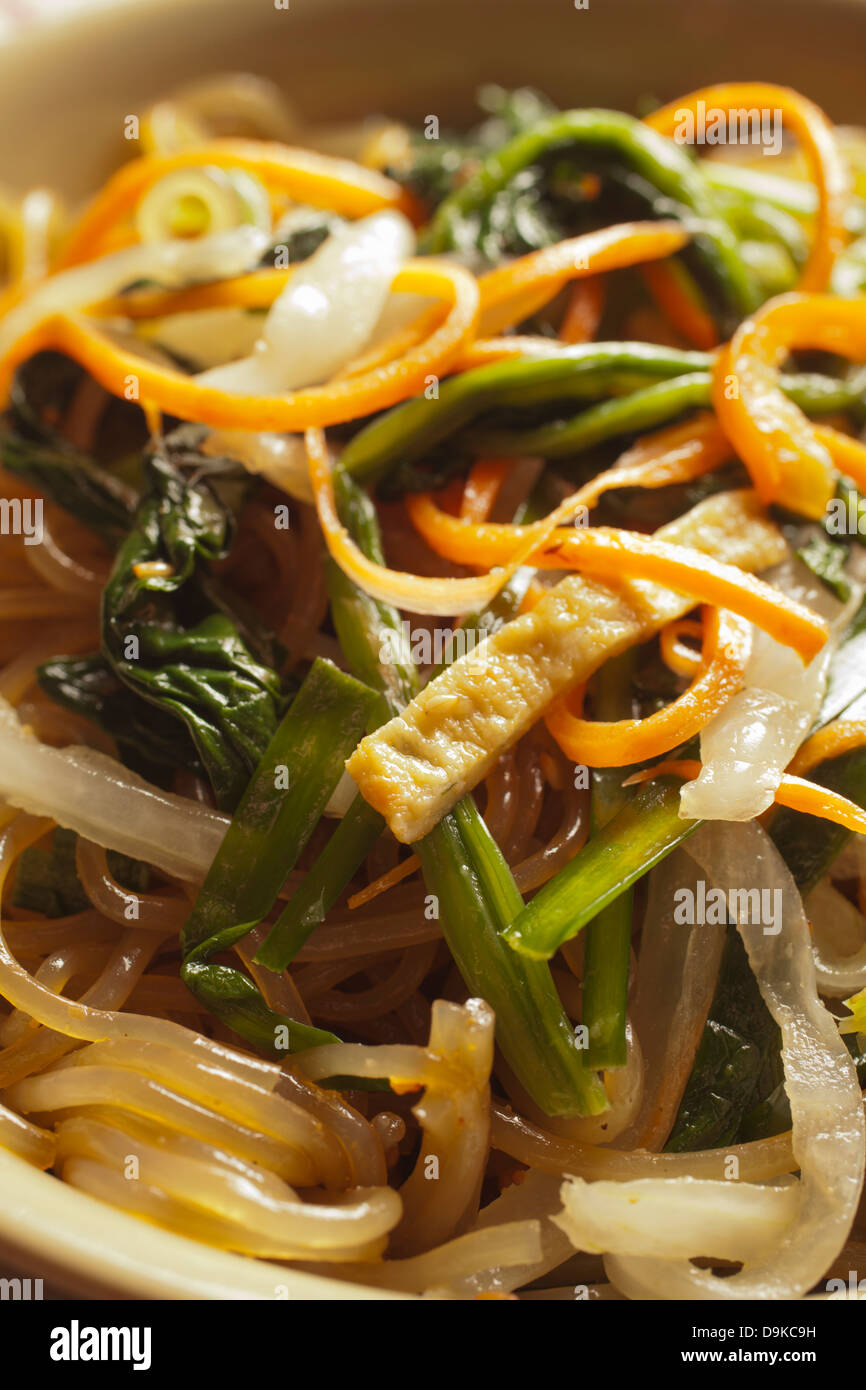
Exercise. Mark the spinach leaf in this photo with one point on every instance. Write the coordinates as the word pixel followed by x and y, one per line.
pixel 46 877
pixel 71 479
pixel 174 639
pixel 827 559
pixel 737 1051
pixel 735 1092
pixel 150 741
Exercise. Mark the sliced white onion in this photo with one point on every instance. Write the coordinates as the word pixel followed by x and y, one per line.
pixel 206 338
pixel 326 313
pixel 281 458
pixel 746 748
pixel 341 797
pixel 669 1218
pixel 676 979
pixel 171 264
pixel 828 1133
pixel 838 941
pixel 87 791
pixel 227 199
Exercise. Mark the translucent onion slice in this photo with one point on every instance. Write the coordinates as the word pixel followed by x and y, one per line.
pixel 171 264
pixel 84 790
pixel 326 313
pixel 209 200
pixel 748 745
pixel 207 337
pixel 838 941
pixel 666 1218
pixel 281 458
pixel 828 1133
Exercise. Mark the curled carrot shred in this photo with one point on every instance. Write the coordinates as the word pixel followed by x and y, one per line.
pixel 584 310
pixel 610 554
pixel 842 736
pixel 305 176
pixel 513 292
pixel 817 141
pixel 799 795
pixel 676 654
pixel 405 869
pixel 676 454
pixel 793 792
pixel 412 591
pixel 790 460
pixel 482 487
pixel 171 391
pixel 725 654
pixel 679 305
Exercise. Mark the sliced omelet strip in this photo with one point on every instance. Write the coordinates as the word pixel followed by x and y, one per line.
pixel 417 766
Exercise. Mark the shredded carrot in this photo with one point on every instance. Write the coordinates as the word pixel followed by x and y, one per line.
pixel 790 460
pixel 397 345
pixel 726 648
pixel 676 454
pixel 798 795
pixel 817 141
pixel 484 352
pixel 847 453
pixel 513 292
pixel 420 594
pixel 482 487
pixel 842 736
pixel 616 555
pixel 171 391
pixel 306 177
pixel 793 792
pixel 583 313
pixel 676 654
pixel 404 869
pixel 489 544
pixel 687 768
pixel 666 283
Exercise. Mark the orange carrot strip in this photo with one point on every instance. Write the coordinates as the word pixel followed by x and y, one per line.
pixel 482 487
pixel 583 314
pixel 404 869
pixel 306 177
pixel 678 303
pixel 176 394
pixel 793 792
pixel 512 292
pixel 687 768
pixel 725 654
pixel 842 736
pixel 789 459
pixel 613 555
pixel 676 454
pixel 798 795
pixel 817 140
pixel 677 655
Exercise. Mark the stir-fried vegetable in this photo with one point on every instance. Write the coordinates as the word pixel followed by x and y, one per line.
pixel 277 814
pixel 172 638
pixel 240 614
